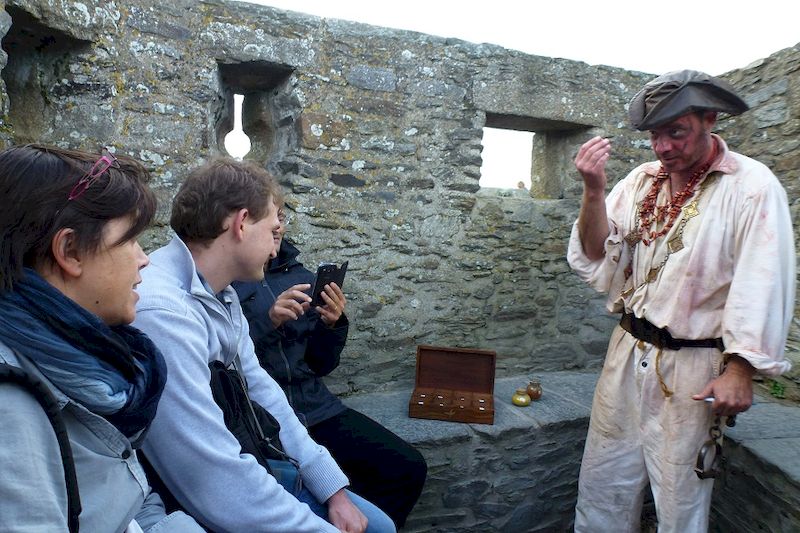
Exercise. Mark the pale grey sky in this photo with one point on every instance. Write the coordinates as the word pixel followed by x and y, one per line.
pixel 649 36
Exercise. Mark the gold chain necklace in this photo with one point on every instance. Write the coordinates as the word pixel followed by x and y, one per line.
pixel 675 244
pixel 649 214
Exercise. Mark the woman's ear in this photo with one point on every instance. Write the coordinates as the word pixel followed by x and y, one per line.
pixel 65 253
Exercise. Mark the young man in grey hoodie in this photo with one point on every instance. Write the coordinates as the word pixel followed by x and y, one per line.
pixel 224 215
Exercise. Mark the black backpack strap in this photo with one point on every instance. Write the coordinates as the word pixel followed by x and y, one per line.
pixel 254 428
pixel 50 406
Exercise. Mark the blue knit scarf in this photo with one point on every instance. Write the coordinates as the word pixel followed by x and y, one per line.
pixel 116 372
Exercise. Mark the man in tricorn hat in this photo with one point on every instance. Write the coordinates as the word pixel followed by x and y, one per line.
pixel 696 251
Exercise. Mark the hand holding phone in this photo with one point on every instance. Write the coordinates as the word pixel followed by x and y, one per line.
pixel 327 273
pixel 328 293
pixel 291 304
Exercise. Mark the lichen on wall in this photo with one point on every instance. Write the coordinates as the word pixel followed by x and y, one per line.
pixel 375 135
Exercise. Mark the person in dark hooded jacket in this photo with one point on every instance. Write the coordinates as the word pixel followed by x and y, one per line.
pixel 298 345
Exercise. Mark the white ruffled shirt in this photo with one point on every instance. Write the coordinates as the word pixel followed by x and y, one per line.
pixel 733 277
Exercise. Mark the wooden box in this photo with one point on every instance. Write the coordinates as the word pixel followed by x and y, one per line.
pixel 454 384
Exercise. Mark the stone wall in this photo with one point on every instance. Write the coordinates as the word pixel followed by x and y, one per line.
pixel 375 134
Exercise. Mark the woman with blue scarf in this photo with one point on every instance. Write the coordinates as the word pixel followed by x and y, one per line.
pixel 69 266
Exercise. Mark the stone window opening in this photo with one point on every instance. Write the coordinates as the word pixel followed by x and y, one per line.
pixel 256 111
pixel 548 155
pixel 37 75
pixel 506 159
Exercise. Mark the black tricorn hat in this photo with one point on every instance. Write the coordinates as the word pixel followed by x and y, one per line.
pixel 674 94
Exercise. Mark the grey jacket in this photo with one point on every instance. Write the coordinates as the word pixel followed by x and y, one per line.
pixel 111 482
pixel 188 444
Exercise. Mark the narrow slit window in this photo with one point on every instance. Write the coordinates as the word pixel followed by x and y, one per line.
pixel 237 143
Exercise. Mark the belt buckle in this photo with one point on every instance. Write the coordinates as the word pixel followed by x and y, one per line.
pixel 667 340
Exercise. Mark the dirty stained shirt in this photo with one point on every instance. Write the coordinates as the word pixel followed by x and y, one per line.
pixel 730 274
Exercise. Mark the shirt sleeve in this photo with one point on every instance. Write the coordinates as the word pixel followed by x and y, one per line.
pixel 319 471
pixel 760 302
pixel 198 459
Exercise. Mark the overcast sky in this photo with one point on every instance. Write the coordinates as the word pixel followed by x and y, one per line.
pixel 649 36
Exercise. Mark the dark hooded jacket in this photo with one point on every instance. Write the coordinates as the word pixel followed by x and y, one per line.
pixel 301 351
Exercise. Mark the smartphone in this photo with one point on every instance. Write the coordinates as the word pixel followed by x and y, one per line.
pixel 327 273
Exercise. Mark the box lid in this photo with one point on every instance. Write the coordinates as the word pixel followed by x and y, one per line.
pixel 455 368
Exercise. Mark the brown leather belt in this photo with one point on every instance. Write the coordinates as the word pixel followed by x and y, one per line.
pixel 661 338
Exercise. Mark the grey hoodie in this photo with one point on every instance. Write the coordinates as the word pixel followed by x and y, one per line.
pixel 188 443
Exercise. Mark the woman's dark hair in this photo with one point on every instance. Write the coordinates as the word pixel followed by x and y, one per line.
pixel 37 185
pixel 215 190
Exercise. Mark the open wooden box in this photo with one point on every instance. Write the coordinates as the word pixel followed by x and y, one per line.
pixel 454 384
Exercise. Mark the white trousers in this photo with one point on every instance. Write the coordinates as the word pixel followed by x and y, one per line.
pixel 638 435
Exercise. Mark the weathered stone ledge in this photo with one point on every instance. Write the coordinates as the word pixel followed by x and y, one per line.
pixel 520 474
pixel 759 489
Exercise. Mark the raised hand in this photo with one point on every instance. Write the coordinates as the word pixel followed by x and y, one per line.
pixel 592 224
pixel 591 162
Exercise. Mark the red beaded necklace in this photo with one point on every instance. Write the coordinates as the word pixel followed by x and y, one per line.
pixel 650 213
